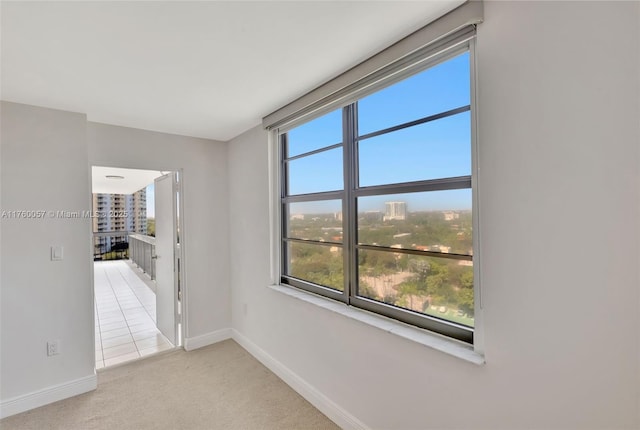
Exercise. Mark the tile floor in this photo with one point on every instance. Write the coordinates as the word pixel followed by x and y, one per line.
pixel 125 314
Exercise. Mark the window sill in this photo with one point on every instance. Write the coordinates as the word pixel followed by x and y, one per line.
pixel 431 340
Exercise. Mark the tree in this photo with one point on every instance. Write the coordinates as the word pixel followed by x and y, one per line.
pixel 366 290
pixel 151 227
pixel 407 291
pixel 465 295
pixel 465 301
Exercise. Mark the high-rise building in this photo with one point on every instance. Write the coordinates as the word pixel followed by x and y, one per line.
pixel 121 213
pixel 395 211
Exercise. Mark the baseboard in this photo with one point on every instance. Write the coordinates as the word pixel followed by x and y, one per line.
pixel 48 395
pixel 325 405
pixel 191 343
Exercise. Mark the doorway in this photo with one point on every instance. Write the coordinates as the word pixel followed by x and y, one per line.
pixel 137 259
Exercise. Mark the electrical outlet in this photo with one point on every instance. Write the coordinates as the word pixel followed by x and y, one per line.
pixel 53 347
pixel 244 309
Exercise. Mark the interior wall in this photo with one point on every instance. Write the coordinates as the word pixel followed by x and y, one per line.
pixel 558 109
pixel 44 168
pixel 206 216
pixel 45 159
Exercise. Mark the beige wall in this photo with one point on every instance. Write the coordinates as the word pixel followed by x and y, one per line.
pixel 44 166
pixel 558 116
pixel 45 160
pixel 206 238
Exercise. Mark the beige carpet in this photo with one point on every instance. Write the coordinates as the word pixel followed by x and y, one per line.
pixel 217 387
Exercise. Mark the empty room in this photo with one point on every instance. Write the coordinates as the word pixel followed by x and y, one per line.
pixel 396 215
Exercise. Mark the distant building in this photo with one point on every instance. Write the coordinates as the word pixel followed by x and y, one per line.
pixel 450 216
pixel 297 216
pixel 125 213
pixel 395 211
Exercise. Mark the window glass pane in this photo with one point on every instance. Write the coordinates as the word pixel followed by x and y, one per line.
pixel 316 134
pixel 438 287
pixel 316 173
pixel 438 221
pixel 437 149
pixel 419 258
pixel 319 264
pixel 321 220
pixel 438 89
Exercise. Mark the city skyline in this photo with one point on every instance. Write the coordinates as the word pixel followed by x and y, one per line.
pixel 455 200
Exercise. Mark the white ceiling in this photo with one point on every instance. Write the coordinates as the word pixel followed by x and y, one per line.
pixel 208 69
pixel 132 180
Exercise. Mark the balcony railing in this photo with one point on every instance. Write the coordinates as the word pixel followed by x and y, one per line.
pixel 111 245
pixel 119 245
pixel 142 250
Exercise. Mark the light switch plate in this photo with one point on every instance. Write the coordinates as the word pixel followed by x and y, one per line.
pixel 57 253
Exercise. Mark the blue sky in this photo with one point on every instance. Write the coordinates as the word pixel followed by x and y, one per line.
pixel 437 149
pixel 151 201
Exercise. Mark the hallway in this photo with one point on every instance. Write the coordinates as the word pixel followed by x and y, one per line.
pixel 125 309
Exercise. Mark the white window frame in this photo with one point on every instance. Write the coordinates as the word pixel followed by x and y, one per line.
pixel 420 335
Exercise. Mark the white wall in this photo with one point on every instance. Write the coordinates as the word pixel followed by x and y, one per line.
pixel 558 126
pixel 206 214
pixel 45 160
pixel 44 167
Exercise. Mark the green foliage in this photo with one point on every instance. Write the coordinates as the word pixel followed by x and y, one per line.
pixel 407 292
pixel 420 229
pixel 437 286
pixel 151 227
pixel 115 255
pixel 466 279
pixel 465 301
pixel 366 290
pixel 377 263
pixel 439 283
pixel 317 263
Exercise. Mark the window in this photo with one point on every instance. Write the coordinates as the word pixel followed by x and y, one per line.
pixel 377 197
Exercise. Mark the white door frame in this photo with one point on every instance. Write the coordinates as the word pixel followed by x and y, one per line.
pixel 180 253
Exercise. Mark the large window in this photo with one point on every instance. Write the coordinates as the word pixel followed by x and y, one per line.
pixel 377 199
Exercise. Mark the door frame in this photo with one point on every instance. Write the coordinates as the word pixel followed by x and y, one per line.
pixel 179 253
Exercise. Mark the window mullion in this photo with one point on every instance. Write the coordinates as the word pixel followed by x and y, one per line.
pixel 284 180
pixel 350 131
pixel 283 165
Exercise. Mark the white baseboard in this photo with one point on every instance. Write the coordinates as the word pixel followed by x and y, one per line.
pixel 338 415
pixel 48 395
pixel 191 343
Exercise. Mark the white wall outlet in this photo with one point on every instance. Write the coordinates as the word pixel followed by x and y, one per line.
pixel 244 309
pixel 53 347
